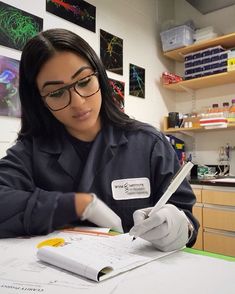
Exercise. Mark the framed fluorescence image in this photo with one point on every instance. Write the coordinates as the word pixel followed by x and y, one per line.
pixel 17 26
pixel 78 12
pixel 9 82
pixel 111 52
pixel 118 89
pixel 136 81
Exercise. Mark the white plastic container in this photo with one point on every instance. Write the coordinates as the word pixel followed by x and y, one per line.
pixel 176 37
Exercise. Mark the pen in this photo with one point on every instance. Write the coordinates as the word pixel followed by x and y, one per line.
pixel 174 184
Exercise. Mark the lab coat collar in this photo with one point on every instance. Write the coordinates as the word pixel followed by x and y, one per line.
pixel 66 155
pixel 112 136
pixel 103 149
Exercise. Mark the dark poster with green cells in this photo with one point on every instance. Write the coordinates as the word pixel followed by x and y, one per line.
pixel 17 26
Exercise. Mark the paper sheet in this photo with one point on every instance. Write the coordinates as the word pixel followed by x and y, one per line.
pixel 21 273
pixel 179 273
pixel 87 259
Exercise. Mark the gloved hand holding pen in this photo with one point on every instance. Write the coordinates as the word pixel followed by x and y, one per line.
pixel 167 228
pixel 164 225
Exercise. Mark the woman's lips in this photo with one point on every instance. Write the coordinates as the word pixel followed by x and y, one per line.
pixel 82 115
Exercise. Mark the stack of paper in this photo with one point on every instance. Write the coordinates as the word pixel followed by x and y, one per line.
pixel 101 258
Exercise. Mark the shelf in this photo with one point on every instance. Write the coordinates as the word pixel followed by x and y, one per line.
pixel 167 130
pixel 227 41
pixel 203 82
pixel 196 130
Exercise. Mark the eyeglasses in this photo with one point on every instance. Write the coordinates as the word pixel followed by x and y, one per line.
pixel 61 98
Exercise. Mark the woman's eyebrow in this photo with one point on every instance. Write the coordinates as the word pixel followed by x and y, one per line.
pixel 47 83
pixel 80 70
pixel 62 82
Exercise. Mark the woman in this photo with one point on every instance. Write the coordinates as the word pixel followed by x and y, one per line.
pixel 79 159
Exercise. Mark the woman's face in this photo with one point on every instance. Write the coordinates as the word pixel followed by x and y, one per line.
pixel 81 117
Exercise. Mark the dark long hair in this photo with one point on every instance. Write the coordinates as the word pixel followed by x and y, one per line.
pixel 36 119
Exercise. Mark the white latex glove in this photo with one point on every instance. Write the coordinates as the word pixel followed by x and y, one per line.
pixel 167 229
pixel 100 214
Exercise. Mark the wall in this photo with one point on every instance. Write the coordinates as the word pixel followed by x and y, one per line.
pixel 136 22
pixel 206 144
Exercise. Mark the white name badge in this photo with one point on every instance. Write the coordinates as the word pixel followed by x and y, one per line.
pixel 131 188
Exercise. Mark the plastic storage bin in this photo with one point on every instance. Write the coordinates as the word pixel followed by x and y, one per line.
pixel 176 37
pixel 231 60
pixel 205 62
pixel 178 145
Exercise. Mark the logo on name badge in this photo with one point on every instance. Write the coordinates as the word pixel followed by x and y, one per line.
pixel 131 188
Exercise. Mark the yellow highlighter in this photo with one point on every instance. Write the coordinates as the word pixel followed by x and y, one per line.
pixel 54 242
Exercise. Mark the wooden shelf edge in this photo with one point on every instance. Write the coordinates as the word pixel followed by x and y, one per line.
pixel 203 82
pixel 167 130
pixel 196 130
pixel 227 41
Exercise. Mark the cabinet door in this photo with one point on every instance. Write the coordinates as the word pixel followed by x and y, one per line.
pixel 219 221
pixel 198 194
pixel 219 217
pixel 197 212
pixel 219 242
pixel 218 197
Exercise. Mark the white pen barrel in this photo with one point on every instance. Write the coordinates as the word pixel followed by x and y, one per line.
pixel 175 183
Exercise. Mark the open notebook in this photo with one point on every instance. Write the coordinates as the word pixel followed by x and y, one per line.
pixel 100 258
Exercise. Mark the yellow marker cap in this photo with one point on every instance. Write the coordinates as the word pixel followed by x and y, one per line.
pixel 54 242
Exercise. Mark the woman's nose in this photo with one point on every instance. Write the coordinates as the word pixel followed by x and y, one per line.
pixel 76 98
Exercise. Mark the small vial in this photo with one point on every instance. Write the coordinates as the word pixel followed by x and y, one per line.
pixel 225 109
pixel 186 124
pixel 215 107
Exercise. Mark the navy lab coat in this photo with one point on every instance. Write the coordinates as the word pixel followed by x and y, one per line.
pixel 38 179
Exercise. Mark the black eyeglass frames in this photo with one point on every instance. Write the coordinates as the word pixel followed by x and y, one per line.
pixel 61 98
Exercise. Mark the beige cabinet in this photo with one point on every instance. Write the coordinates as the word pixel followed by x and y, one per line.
pixel 219 220
pixel 215 210
pixel 197 212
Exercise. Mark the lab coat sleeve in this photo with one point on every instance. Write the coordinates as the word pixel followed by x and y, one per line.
pixel 165 164
pixel 26 209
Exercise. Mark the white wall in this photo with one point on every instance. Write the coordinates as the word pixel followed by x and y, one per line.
pixel 136 22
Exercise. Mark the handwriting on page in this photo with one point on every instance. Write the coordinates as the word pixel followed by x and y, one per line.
pixel 118 252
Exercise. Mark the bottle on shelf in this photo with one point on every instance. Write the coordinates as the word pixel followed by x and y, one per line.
pixel 225 109
pixel 183 158
pixel 231 113
pixel 212 110
pixel 215 108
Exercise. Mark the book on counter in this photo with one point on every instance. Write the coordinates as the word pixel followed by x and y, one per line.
pixel 100 258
